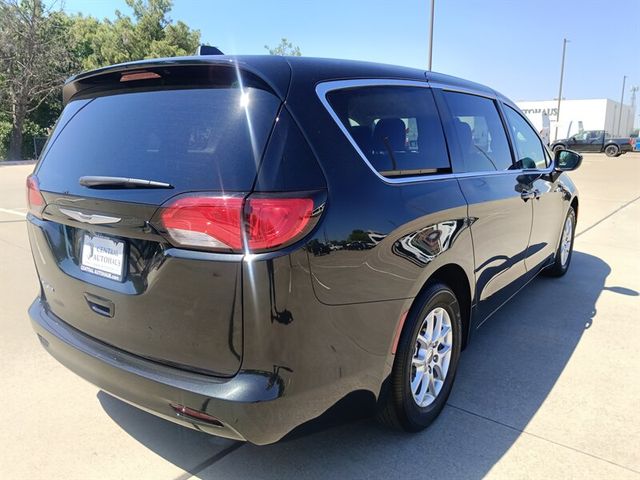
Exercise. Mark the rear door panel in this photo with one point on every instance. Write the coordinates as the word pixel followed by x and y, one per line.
pixel 500 231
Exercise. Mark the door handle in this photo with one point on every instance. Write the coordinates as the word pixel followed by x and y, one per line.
pixel 527 195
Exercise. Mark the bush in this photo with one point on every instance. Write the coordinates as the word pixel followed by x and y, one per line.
pixel 5 133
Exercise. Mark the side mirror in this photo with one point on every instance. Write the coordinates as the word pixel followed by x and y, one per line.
pixel 566 160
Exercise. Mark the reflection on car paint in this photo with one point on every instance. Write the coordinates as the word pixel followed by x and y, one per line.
pixel 422 246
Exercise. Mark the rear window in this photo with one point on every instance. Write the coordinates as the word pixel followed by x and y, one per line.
pixel 194 139
pixel 396 128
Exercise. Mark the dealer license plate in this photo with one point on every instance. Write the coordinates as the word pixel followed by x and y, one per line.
pixel 103 256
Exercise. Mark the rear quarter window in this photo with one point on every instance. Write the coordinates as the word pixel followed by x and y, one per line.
pixel 396 128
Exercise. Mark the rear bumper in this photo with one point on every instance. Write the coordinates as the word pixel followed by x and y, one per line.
pixel 246 404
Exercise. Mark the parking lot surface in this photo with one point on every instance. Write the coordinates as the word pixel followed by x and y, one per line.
pixel 549 388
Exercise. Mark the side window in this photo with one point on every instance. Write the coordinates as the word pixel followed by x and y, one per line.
pixel 529 148
pixel 398 129
pixel 483 141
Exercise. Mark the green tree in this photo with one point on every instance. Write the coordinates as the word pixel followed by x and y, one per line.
pixel 285 48
pixel 358 236
pixel 34 61
pixel 150 33
pixel 40 47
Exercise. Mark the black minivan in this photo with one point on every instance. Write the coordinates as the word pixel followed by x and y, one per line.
pixel 236 244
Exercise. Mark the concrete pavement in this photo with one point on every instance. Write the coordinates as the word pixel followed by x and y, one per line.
pixel 550 387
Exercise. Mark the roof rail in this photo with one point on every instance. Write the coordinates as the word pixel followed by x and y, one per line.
pixel 208 50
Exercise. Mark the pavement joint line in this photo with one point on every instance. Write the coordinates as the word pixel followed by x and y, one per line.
pixel 210 461
pixel 21 247
pixel 13 212
pixel 607 216
pixel 515 429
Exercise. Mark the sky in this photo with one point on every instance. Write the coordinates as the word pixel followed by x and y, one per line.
pixel 512 46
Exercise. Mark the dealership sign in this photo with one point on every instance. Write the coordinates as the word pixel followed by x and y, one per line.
pixel 548 111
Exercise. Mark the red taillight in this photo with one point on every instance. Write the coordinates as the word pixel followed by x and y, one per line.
pixel 275 221
pixel 206 222
pixel 35 200
pixel 220 223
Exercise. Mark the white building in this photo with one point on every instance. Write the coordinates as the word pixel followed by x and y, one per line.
pixel 579 115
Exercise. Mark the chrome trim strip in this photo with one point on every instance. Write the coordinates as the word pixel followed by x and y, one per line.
pixel 325 87
pixel 458 89
pixel 93 219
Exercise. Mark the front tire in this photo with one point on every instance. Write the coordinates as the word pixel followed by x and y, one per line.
pixel 612 151
pixel 565 248
pixel 426 361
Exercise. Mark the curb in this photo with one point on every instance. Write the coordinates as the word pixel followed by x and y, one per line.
pixel 17 162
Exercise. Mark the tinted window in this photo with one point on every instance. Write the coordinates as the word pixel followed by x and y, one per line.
pixel 195 139
pixel 397 128
pixel 483 141
pixel 529 150
pixel 288 163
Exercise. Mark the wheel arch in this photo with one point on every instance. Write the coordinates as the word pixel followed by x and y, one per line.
pixel 574 205
pixel 454 277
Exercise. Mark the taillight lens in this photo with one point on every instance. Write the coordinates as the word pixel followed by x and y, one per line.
pixel 35 200
pixel 228 223
pixel 272 222
pixel 206 222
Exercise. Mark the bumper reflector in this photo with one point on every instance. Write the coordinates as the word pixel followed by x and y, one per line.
pixel 195 414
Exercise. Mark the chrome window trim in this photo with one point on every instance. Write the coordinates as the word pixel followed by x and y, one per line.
pixel 459 89
pixel 323 88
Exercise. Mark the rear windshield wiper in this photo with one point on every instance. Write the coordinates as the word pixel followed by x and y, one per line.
pixel 95 181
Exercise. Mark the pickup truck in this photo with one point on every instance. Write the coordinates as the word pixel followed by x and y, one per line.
pixel 594 141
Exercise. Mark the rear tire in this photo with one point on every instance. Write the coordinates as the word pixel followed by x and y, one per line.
pixel 558 148
pixel 425 366
pixel 565 247
pixel 612 151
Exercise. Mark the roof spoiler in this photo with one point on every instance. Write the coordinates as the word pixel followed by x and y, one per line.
pixel 167 70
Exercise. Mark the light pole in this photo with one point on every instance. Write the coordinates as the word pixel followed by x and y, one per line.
pixel 624 80
pixel 431 35
pixel 564 50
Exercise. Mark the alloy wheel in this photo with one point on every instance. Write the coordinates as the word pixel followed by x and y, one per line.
pixel 431 357
pixel 567 236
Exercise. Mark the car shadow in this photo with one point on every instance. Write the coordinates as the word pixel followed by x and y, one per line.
pixel 504 377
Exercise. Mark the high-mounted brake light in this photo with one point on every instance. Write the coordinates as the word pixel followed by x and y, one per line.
pixel 229 223
pixel 35 200
pixel 130 77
